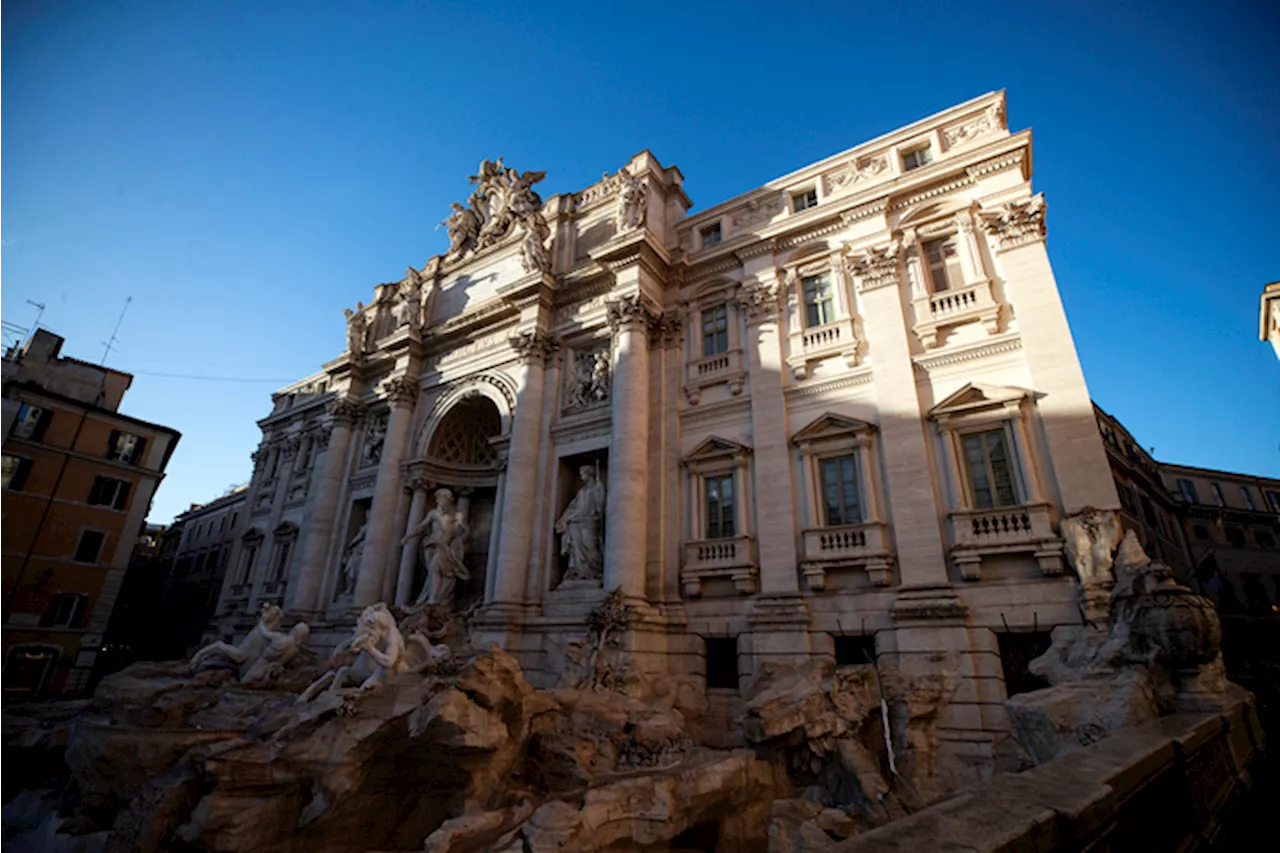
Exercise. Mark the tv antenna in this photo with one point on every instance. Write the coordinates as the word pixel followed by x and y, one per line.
pixel 110 343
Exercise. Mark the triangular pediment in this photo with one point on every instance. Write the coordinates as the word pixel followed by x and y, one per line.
pixel 977 395
pixel 829 425
pixel 285 528
pixel 716 448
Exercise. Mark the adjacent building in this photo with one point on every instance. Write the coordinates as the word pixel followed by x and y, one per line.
pixel 199 566
pixel 1269 316
pixel 1147 506
pixel 79 476
pixel 839 414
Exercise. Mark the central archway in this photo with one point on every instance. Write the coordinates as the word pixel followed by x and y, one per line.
pixel 463 436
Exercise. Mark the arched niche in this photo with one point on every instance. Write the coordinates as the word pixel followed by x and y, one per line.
pixel 496 388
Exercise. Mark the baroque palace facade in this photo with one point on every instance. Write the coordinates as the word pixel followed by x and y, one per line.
pixel 842 409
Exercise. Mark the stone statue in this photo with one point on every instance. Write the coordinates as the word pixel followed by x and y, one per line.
pixel 464 229
pixel 375 436
pixel 444 542
pixel 581 528
pixel 356 330
pixel 600 376
pixel 632 195
pixel 1091 537
pixel 412 299
pixel 381 652
pixel 352 556
pixel 263 653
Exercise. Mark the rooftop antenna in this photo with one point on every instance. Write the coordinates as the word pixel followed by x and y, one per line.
pixel 110 343
pixel 40 306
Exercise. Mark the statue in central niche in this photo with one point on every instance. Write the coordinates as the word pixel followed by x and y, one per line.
pixel 444 542
pixel 581 527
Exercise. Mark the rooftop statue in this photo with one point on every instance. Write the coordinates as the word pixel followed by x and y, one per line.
pixel 502 200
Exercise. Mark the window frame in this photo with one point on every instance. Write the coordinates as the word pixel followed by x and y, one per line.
pixel 1247 495
pixel 949 268
pixel 910 156
pixel 719 457
pixel 31 429
pixel 17 479
pixel 1218 497
pixel 97 557
pixel 133 454
pixel 711 235
pixel 719 337
pixel 79 607
pixel 1187 488
pixel 804 199
pixel 816 320
pixel 962 414
pixel 833 436
pixel 1005 431
pixel 118 498
pixel 855 481
pixel 719 523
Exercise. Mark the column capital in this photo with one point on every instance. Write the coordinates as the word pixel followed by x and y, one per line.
pixel 418 484
pixel 346 411
pixel 1016 223
pixel 320 436
pixel 534 346
pixel 289 446
pixel 400 391
pixel 630 311
pixel 759 301
pixel 671 327
pixel 877 266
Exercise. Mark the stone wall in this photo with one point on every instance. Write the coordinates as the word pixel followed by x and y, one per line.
pixel 1167 785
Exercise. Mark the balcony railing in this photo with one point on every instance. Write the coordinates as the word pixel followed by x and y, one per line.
pixel 712 370
pixel 864 545
pixel 1005 530
pixel 971 303
pixel 734 559
pixel 821 342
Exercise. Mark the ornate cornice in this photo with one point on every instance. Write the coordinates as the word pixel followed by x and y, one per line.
pixel 877 266
pixel 981 350
pixel 346 411
pixel 865 211
pixel 932 191
pixel 822 229
pixel 535 346
pixel 400 391
pixel 1017 223
pixel 851 380
pixel 630 311
pixel 1013 159
pixel 759 301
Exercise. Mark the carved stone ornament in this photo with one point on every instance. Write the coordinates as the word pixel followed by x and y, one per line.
pixel 758 211
pixel 357 331
pixel 502 201
pixel 320 437
pixel 259 456
pixel 633 196
pixel 346 411
pixel 536 346
pixel 991 119
pixel 759 301
pixel 400 391
pixel 1017 223
pixel 414 292
pixel 671 328
pixel 588 379
pixel 289 447
pixel 877 266
pixel 864 170
pixel 629 310
pixel 375 436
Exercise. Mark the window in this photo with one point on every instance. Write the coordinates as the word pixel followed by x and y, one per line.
pixel 282 559
pixel 304 456
pixel 108 491
pixel 27 668
pixel 16 469
pixel 804 200
pixel 1217 494
pixel 943 261
pixel 246 563
pixel 1247 497
pixel 222 524
pixel 31 422
pixel 840 490
pixel 1149 512
pixel 1017 650
pixel 916 158
pixel 711 235
pixel 1201 532
pixel 235 516
pixel 715 329
pixel 987 459
pixel 722 662
pixel 1235 537
pixel 1273 498
pixel 818 306
pixel 1264 537
pixel 854 651
pixel 720 507
pixel 125 447
pixel 65 610
pixel 275 464
pixel 1188 490
pixel 1126 498
pixel 89 546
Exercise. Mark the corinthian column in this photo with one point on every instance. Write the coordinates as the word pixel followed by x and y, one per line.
pixel 345 413
pixel 626 511
pixel 401 393
pixel 515 538
pixel 409 556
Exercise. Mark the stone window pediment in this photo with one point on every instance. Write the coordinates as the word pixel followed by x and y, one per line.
pixel 721 542
pixel 977 398
pixel 716 452
pixel 285 529
pixel 253 534
pixel 832 427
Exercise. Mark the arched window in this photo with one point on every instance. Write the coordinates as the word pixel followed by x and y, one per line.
pixel 462 438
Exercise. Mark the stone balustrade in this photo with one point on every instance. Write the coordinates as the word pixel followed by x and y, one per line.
pixel 1005 530
pixel 935 312
pixel 865 546
pixel 734 559
pixel 713 369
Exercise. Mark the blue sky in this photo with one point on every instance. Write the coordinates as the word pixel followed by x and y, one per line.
pixel 246 170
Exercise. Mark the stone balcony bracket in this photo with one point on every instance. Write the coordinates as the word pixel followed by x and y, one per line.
pixel 862 546
pixel 726 367
pixel 935 312
pixel 734 559
pixel 1027 528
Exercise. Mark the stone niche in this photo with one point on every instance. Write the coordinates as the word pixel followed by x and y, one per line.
pixel 351 551
pixel 568 483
